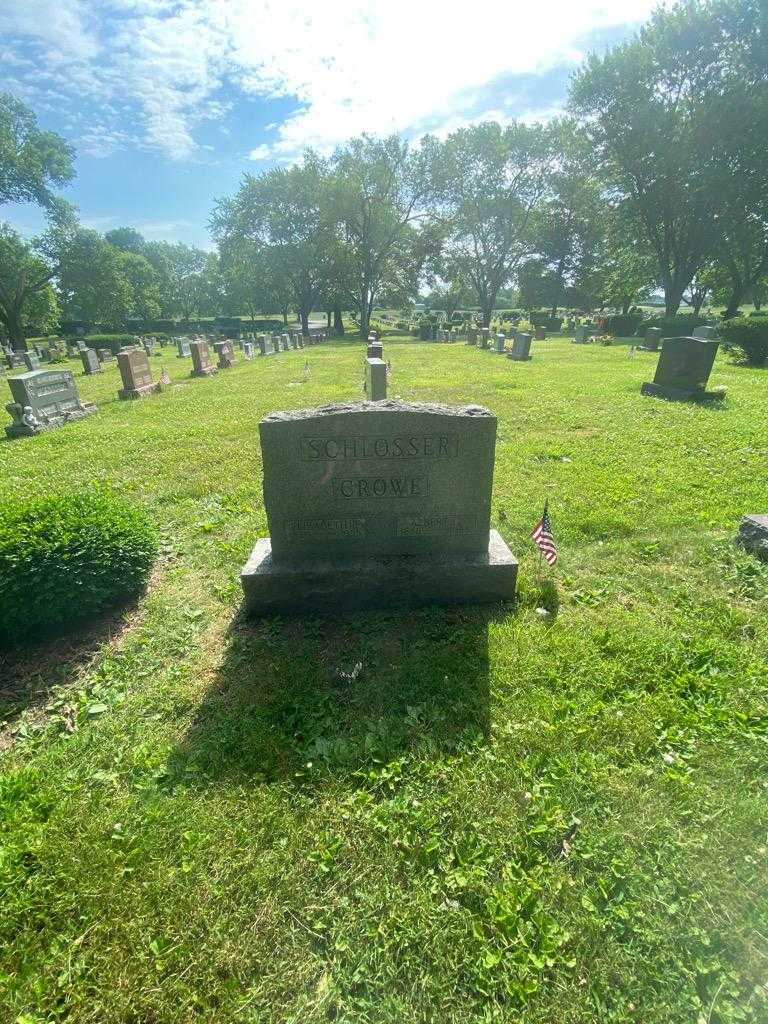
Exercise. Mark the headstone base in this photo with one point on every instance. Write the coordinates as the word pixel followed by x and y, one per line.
pixel 22 430
pixel 319 586
pixel 518 358
pixel 753 535
pixel 149 389
pixel 208 371
pixel 682 394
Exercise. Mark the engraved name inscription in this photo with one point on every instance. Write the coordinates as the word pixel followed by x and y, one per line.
pixel 381 487
pixel 435 526
pixel 436 446
pixel 326 526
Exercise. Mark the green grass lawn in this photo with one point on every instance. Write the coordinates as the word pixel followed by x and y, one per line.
pixel 496 817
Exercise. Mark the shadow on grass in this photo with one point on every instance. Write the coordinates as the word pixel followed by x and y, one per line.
pixel 29 671
pixel 339 694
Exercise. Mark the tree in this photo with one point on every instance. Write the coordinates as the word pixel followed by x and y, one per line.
pixel 378 185
pixel 184 279
pixel 31 160
pixel 671 117
pixel 25 287
pixel 284 216
pixel 487 181
pixel 127 239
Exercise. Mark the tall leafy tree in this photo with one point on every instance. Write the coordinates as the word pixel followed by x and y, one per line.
pixel 31 160
pixel 25 287
pixel 379 186
pixel 488 181
pixel 671 116
pixel 284 216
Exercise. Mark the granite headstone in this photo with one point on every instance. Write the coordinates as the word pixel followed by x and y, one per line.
pixel 377 503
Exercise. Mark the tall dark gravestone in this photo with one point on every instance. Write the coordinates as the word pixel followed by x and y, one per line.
pixel 521 347
pixel 376 504
pixel 43 399
pixel 683 370
pixel 135 374
pixel 90 362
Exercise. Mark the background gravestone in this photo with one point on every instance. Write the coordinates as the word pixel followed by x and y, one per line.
pixel 521 347
pixel 135 374
pixel 704 331
pixel 90 361
pixel 377 503
pixel 43 399
pixel 375 379
pixel 226 353
pixel 202 366
pixel 683 370
pixel 652 339
pixel 31 360
pixel 182 347
pixel 500 342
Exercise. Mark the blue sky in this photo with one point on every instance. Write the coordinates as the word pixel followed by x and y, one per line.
pixel 169 102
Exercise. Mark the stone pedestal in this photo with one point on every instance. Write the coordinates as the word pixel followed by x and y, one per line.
pixel 313 587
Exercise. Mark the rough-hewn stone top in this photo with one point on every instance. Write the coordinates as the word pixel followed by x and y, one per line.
pixel 394 405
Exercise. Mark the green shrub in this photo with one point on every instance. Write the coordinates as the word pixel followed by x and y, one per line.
pixel 747 337
pixel 624 326
pixel 680 326
pixel 65 558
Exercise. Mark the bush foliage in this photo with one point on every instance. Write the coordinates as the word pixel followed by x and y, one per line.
pixel 747 336
pixel 680 326
pixel 67 557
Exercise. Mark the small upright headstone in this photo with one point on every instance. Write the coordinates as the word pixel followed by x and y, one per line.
pixel 248 349
pixel 31 361
pixel 704 331
pixel 521 347
pixel 652 339
pixel 136 374
pixel 14 360
pixel 226 353
pixel 375 379
pixel 91 362
pixel 202 366
pixel 182 347
pixel 540 334
pixel 500 341
pixel 472 336
pixel 263 344
pixel 285 341
pixel 374 504
pixel 104 354
pixel 683 370
pixel 375 348
pixel 582 334
pixel 43 399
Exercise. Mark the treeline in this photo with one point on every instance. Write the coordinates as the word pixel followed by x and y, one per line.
pixel 655 179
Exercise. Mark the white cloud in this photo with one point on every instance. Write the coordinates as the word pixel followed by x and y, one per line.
pixel 353 65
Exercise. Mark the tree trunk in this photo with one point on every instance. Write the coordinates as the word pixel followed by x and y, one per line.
pixel 12 323
pixel 625 304
pixel 734 300
pixel 304 317
pixel 285 315
pixel 673 296
pixel 328 319
pixel 365 320
pixel 338 323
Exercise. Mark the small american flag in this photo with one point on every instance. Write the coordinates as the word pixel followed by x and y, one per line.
pixel 543 539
